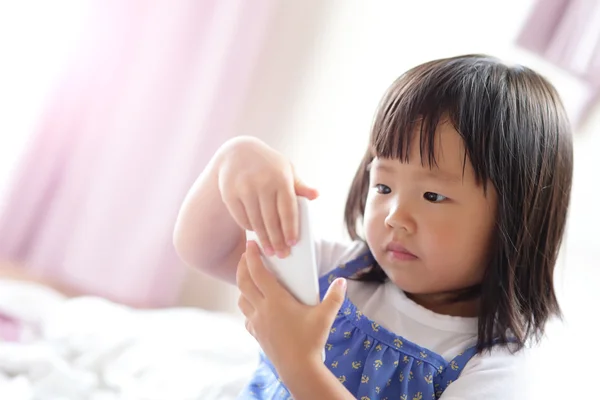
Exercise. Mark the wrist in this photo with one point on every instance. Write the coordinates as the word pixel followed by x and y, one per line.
pixel 302 371
pixel 297 363
pixel 231 148
pixel 314 381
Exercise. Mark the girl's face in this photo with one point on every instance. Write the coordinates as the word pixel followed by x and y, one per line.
pixel 430 228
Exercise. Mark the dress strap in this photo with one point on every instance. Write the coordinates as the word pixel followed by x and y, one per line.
pixel 453 370
pixel 350 269
pixel 456 366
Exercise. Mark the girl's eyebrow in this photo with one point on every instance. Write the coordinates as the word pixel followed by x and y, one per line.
pixel 379 167
pixel 431 173
pixel 442 175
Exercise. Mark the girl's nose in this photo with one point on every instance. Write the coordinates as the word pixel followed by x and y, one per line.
pixel 400 218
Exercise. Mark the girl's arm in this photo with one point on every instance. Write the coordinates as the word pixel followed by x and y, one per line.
pixel 246 185
pixel 206 236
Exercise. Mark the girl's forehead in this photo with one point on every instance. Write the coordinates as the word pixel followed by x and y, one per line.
pixel 396 167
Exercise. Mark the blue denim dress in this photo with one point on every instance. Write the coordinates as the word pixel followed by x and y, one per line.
pixel 370 361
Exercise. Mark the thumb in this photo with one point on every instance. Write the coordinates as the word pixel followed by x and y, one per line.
pixel 304 190
pixel 333 300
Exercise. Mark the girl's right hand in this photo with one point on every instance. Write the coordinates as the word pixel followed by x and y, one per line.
pixel 258 186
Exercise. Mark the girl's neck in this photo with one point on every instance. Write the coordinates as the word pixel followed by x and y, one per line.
pixel 444 304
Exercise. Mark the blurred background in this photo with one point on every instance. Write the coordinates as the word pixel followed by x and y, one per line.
pixel 110 109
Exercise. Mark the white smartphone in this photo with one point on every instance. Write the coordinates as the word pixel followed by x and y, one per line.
pixel 298 271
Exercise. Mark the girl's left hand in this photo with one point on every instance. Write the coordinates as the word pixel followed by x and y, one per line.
pixel 290 333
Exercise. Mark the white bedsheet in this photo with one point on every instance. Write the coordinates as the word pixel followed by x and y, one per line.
pixel 92 349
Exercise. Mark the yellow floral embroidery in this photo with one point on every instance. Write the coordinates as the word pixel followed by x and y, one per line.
pixel 419 362
pixel 367 344
pixel 329 346
pixel 359 314
pixel 450 381
pixel 429 378
pixel 410 376
pixel 364 379
pixel 377 364
pixel 389 382
pixel 332 330
pixel 346 352
pixel 356 364
pixel 454 365
pixel 347 334
pixel 377 389
pixel 375 327
pixel 365 398
pixel 330 278
pixel 418 396
pixel 440 369
pixel 401 377
pixel 342 378
pixel 378 347
pixel 423 354
pixel 334 364
pixel 405 360
pixel 347 311
pixel 396 363
pixel 403 397
pixel 398 343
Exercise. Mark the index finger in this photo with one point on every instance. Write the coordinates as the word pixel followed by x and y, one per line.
pixel 264 280
pixel 287 206
pixel 245 282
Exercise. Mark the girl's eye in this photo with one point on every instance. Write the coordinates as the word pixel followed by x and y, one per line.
pixel 434 197
pixel 382 189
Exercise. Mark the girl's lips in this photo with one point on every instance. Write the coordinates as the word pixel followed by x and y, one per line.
pixel 399 252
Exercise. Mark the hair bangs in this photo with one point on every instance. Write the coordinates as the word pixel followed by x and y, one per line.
pixel 395 132
pixel 442 92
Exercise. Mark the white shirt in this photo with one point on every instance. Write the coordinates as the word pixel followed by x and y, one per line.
pixel 491 376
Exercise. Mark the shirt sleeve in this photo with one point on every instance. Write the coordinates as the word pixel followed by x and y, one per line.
pixel 499 375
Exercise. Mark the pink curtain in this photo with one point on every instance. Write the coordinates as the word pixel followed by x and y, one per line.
pixel 149 96
pixel 567 33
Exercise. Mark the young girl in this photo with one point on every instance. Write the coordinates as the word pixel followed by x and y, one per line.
pixel 461 199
